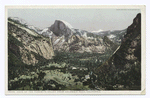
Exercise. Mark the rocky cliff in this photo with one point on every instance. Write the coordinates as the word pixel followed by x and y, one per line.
pixel 26 46
pixel 124 66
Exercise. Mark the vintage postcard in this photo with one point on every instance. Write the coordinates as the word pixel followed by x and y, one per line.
pixel 75 49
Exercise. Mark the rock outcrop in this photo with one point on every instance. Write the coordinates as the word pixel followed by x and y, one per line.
pixel 124 67
pixel 62 28
pixel 26 45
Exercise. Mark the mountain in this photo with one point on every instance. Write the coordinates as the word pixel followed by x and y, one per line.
pixel 18 20
pixel 37 30
pixel 66 38
pixel 27 41
pixel 26 47
pixel 46 32
pixel 25 24
pixel 114 35
pixel 123 69
pixel 62 28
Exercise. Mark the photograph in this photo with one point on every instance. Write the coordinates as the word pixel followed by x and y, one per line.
pixel 75 49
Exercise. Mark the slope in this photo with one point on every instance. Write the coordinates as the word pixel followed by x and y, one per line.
pixel 123 69
pixel 25 47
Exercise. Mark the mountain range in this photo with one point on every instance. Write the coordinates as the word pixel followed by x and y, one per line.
pixel 66 38
pixel 107 58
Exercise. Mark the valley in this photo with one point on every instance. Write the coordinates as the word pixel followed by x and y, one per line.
pixel 61 57
pixel 65 71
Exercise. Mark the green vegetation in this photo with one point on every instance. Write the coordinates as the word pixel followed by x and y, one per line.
pixel 70 70
pixel 80 59
pixel 13 40
pixel 61 61
pixel 127 78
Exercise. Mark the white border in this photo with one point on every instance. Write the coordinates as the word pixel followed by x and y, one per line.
pixel 143 63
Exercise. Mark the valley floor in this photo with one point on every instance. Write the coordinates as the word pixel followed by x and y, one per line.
pixel 66 71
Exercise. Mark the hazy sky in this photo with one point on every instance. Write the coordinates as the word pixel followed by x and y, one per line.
pixel 86 19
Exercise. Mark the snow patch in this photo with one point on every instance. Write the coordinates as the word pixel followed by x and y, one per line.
pixel 44 30
pixel 112 36
pixel 84 35
pixel 56 41
pixel 100 30
pixel 90 38
pixel 34 28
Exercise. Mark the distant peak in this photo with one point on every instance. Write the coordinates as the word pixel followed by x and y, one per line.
pixel 66 23
pixel 100 30
pixel 22 21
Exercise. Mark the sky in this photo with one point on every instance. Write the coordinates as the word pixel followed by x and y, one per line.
pixel 85 19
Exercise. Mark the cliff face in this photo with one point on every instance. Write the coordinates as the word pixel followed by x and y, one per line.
pixel 26 46
pixel 124 67
pixel 60 28
pixel 130 49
